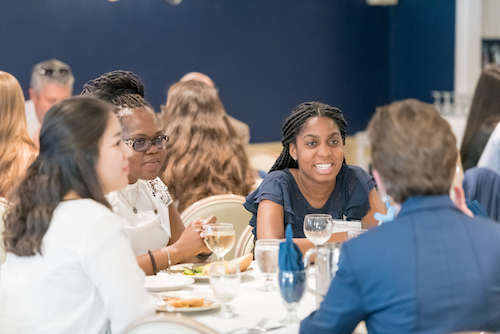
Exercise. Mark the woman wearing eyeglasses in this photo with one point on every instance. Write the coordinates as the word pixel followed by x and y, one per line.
pixel 157 234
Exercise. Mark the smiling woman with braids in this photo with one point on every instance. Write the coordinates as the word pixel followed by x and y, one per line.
pixel 310 176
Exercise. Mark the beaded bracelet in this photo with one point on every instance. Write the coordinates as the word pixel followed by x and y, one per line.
pixel 169 262
pixel 153 261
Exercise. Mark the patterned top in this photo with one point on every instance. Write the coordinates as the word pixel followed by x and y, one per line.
pixel 160 190
pixel 349 200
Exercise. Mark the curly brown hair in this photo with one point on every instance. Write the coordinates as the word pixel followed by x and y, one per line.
pixel 204 155
pixel 17 149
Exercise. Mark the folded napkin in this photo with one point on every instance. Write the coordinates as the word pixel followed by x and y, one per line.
pixel 290 256
pixel 391 213
pixel 477 209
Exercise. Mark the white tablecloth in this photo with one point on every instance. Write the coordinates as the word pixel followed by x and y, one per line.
pixel 252 305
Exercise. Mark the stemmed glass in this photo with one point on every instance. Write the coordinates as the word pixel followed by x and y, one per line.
pixel 318 228
pixel 266 255
pixel 224 280
pixel 292 284
pixel 220 238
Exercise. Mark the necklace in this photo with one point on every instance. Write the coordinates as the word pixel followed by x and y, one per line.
pixel 134 207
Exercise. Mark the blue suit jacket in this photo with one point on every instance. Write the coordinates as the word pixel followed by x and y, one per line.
pixel 431 270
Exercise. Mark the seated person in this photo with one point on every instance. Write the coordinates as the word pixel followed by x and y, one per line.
pixel 196 119
pixel 69 266
pixel 433 269
pixel 310 176
pixel 157 233
pixel 17 150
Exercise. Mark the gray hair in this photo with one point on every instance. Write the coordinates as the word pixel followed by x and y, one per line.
pixel 52 71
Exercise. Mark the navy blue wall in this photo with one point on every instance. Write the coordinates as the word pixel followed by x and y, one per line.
pixel 421 48
pixel 265 56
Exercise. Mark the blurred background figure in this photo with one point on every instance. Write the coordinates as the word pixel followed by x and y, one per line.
pixel 204 155
pixel 17 150
pixel 483 116
pixel 418 262
pixel 242 130
pixel 51 82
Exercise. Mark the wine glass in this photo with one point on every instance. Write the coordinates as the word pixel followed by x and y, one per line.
pixel 224 279
pixel 266 255
pixel 292 284
pixel 220 238
pixel 318 228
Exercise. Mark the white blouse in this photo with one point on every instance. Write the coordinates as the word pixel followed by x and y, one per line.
pixel 86 281
pixel 149 226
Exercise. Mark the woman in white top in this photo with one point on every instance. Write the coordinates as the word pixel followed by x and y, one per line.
pixel 69 266
pixel 157 234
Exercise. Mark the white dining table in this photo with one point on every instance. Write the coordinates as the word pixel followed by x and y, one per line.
pixel 252 305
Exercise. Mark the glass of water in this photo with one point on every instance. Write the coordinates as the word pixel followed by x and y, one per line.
pixel 224 280
pixel 266 254
pixel 318 228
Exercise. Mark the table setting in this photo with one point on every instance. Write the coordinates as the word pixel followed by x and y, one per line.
pixel 241 296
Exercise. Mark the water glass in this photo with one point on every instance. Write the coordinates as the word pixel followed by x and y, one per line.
pixel 224 280
pixel 292 284
pixel 266 254
pixel 220 238
pixel 318 228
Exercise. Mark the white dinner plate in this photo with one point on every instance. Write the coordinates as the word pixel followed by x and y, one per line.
pixel 209 300
pixel 247 271
pixel 164 282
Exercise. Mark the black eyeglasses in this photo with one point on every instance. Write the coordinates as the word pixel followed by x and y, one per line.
pixel 48 72
pixel 143 144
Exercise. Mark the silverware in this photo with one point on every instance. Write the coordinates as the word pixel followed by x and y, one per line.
pixel 258 328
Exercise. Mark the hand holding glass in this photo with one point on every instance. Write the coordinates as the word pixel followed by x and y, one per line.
pixel 219 238
pixel 318 228
pixel 224 280
pixel 266 255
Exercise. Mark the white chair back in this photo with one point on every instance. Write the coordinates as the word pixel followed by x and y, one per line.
pixel 227 208
pixel 168 324
pixel 246 242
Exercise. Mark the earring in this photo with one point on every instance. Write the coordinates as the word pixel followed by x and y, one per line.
pixel 294 159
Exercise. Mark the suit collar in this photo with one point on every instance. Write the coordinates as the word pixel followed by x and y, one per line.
pixel 421 203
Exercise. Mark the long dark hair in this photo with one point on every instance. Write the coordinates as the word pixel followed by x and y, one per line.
pixel 69 150
pixel 295 122
pixel 485 107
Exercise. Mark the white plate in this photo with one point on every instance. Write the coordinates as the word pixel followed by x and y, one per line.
pixel 164 282
pixel 208 298
pixel 247 271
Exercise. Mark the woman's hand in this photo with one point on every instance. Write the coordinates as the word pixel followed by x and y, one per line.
pixel 192 239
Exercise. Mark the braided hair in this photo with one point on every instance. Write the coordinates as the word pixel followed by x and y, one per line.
pixel 295 122
pixel 122 89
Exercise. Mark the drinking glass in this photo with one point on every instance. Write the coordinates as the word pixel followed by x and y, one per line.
pixel 219 238
pixel 292 284
pixel 318 228
pixel 266 255
pixel 224 280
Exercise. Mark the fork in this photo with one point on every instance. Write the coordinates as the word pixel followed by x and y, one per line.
pixel 255 329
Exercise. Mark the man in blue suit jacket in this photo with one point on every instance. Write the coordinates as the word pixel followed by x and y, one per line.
pixel 433 269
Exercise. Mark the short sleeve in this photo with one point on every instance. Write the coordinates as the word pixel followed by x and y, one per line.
pixel 274 188
pixel 358 185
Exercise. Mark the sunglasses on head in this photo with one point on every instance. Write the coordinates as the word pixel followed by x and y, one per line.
pixel 143 144
pixel 48 72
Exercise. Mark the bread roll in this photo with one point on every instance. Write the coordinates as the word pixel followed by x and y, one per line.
pixel 244 261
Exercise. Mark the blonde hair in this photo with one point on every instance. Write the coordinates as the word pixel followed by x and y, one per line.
pixel 204 155
pixel 17 149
